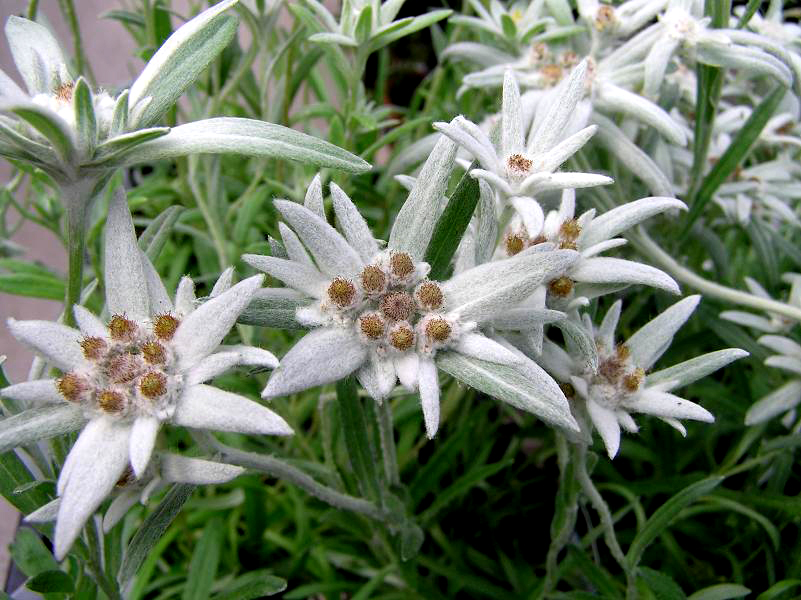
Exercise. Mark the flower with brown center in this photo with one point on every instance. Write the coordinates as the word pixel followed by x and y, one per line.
pixel 154 353
pixel 397 306
pixel 341 292
pixel 93 347
pixel 632 381
pixel 153 385
pixel 514 243
pixel 110 401
pixel 121 329
pixel 438 330
pixel 605 17
pixel 165 326
pixel 72 386
pixel 429 296
pixel 561 287
pixel 374 280
pixel 401 337
pixel 372 326
pixel 123 368
pixel 519 164
pixel 401 265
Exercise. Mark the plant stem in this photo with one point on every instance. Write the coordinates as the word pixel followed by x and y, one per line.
pixel 33 9
pixel 81 64
pixel 600 506
pixel 650 249
pixel 278 468
pixel 77 203
pixel 388 451
pixel 564 516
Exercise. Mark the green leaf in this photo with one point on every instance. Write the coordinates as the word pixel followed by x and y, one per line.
pixel 721 591
pixel 14 475
pixel 51 126
pixel 266 310
pixel 38 56
pixel 39 423
pixel 252 585
pixel 242 136
pixel 30 554
pixel 113 147
pixel 364 25
pixel 85 120
pixel 451 226
pixel 761 241
pixel 513 385
pixel 178 62
pixel 119 118
pixel 357 441
pixel 508 26
pixel 390 33
pixel 51 582
pixel 204 563
pixel 750 11
pixel 666 514
pixel 738 149
pixel 156 234
pixel 661 585
pixel 778 588
pixel 32 286
pixel 411 540
pixel 151 530
pixel 461 486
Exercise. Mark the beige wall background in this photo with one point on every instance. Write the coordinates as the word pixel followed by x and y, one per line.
pixel 110 50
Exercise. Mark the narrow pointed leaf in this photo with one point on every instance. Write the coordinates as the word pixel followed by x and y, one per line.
pixel 242 136
pixel 38 424
pixel 451 226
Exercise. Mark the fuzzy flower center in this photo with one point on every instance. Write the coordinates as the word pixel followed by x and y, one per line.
pixel 131 372
pixel 518 164
pixel 390 305
pixel 617 375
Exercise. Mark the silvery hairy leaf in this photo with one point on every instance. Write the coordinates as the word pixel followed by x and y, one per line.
pixel 185 54
pixel 241 136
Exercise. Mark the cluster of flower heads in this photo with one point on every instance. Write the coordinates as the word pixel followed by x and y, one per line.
pixel 144 366
pixel 527 265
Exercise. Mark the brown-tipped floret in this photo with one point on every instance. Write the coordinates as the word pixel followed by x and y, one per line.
pixel 164 326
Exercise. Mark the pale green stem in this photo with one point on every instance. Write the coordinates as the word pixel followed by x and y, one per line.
pixel 282 470
pixel 213 223
pixel 650 249
pixel 560 538
pixel 81 64
pixel 607 522
pixel 388 451
pixel 77 206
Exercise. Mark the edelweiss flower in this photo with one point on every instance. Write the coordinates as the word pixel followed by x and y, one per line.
pixel 772 322
pixel 621 386
pixel 163 469
pixel 787 397
pixel 519 171
pixel 78 136
pixel 376 313
pixel 145 367
pixel 517 23
pixel 621 20
pixel 682 27
pixel 591 275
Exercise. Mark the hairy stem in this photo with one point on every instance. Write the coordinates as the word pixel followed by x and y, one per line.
pixel 388 451
pixel 649 248
pixel 607 522
pixel 77 205
pixel 81 64
pixel 564 516
pixel 282 470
